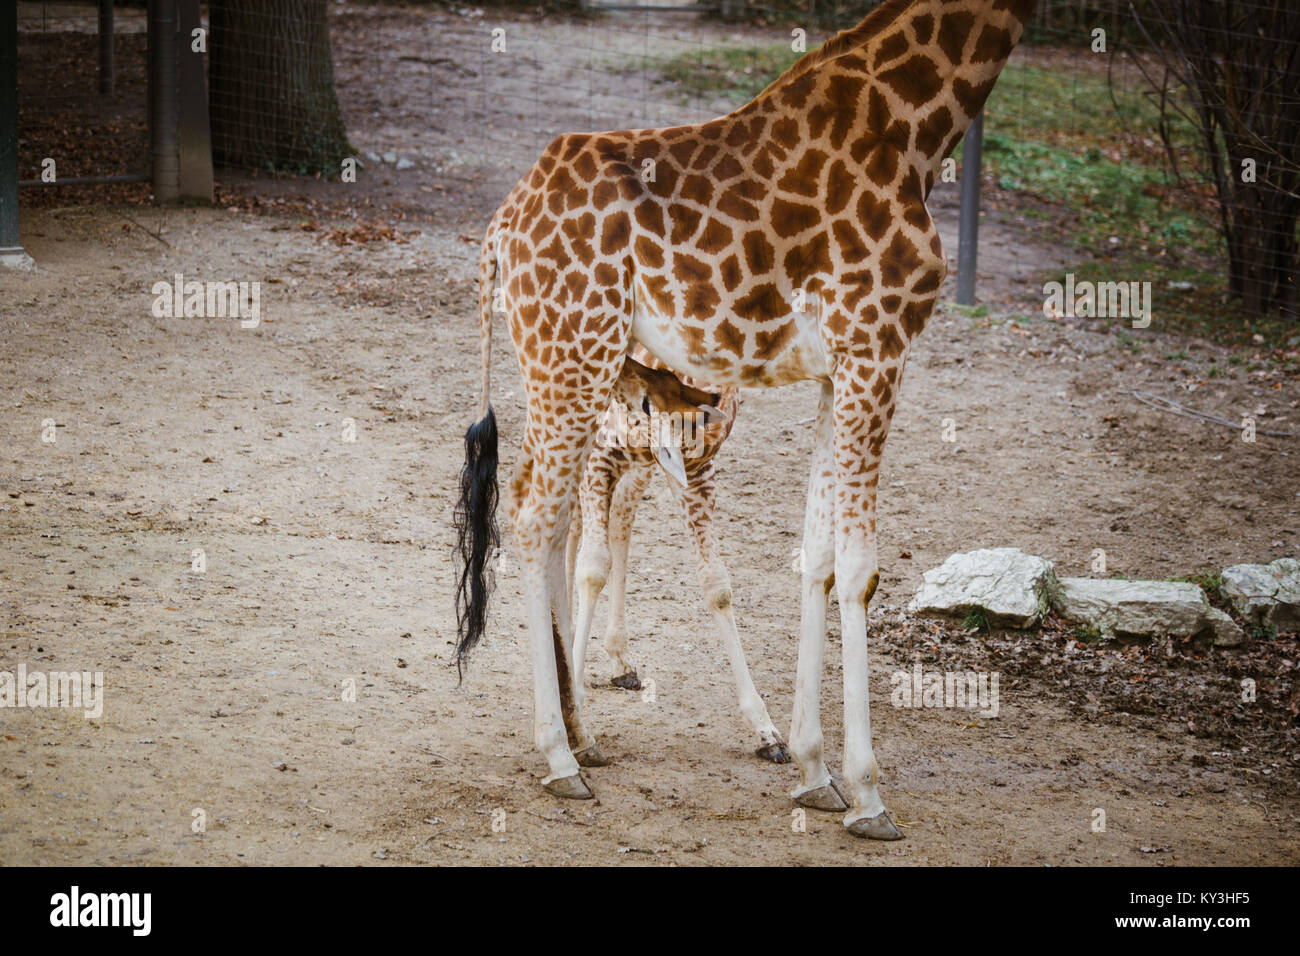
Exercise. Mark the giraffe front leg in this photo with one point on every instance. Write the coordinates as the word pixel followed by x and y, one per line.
pixel 863 405
pixel 622 513
pixel 592 569
pixel 697 502
pixel 816 566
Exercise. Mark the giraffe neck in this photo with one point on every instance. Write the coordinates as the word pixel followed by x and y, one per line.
pixel 931 63
pixel 975 39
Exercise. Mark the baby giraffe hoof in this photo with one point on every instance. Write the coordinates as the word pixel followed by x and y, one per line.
pixel 571 788
pixel 826 798
pixel 879 827
pixel 591 757
pixel 775 752
pixel 628 681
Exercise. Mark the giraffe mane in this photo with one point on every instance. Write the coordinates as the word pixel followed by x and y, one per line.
pixel 849 40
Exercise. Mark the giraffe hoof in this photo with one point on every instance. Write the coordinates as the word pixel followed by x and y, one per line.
pixel 826 798
pixel 591 757
pixel 879 827
pixel 570 788
pixel 628 681
pixel 776 752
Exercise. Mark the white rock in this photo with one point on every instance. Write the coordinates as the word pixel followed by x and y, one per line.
pixel 1226 631
pixel 1011 587
pixel 1144 608
pixel 404 163
pixel 1267 595
pixel 17 259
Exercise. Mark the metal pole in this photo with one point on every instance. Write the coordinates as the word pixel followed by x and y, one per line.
pixel 194 136
pixel 106 77
pixel 88 180
pixel 972 151
pixel 11 253
pixel 163 112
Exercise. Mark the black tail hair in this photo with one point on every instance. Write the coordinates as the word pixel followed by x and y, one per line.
pixel 477 535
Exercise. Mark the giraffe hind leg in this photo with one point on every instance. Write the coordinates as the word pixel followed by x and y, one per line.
pixel 559 450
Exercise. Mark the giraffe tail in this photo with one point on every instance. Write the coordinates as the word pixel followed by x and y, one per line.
pixel 477 534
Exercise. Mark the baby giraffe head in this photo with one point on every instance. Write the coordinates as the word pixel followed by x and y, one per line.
pixel 658 394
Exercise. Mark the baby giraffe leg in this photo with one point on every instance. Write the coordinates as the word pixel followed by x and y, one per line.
pixel 697 502
pixel 591 563
pixel 622 513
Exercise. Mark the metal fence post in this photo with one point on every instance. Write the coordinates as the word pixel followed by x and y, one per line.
pixel 163 111
pixel 11 253
pixel 972 150
pixel 194 137
pixel 107 78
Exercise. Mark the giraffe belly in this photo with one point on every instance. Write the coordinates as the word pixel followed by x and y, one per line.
pixel 695 351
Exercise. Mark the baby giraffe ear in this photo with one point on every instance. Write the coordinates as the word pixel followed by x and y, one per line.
pixel 712 413
pixel 670 459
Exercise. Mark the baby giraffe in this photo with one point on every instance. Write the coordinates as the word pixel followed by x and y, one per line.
pixel 687 428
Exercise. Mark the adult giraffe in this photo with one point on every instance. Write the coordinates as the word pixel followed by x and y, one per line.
pixel 788 240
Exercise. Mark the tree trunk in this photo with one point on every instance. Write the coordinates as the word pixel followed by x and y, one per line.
pixel 1231 69
pixel 271 77
pixel 1260 233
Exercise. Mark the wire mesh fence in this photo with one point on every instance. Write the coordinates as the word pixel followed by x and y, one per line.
pixel 1088 126
pixel 1164 134
pixel 82 101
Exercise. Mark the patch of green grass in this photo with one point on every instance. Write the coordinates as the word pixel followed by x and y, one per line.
pixel 1208 579
pixel 972 311
pixel 1125 200
pixel 977 619
pixel 1060 105
pixel 1127 341
pixel 737 73
pixel 1200 310
pixel 1179 356
pixel 1086 634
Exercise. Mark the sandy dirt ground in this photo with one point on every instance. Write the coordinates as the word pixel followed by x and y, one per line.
pixel 328 561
